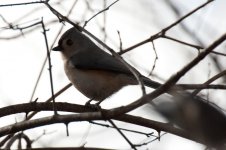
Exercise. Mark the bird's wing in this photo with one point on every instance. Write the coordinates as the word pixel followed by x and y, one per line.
pixel 98 61
pixel 104 61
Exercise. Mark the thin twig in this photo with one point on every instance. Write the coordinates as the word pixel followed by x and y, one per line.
pixel 156 58
pixel 50 67
pixel 24 31
pixel 44 62
pixel 123 129
pixel 67 148
pixel 16 4
pixel 177 12
pixel 120 40
pixel 105 9
pixel 218 53
pixel 26 27
pixel 43 133
pixel 4 20
pixel 104 21
pixel 217 76
pixel 163 31
pixel 122 134
pixel 38 79
pixel 32 11
pixel 146 143
pixel 182 42
pixel 208 76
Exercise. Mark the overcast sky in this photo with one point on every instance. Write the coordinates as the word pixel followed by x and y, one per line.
pixel 22 58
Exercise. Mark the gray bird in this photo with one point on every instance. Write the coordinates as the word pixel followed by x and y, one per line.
pixel 98 75
pixel 94 72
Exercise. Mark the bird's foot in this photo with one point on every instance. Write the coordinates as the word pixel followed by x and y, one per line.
pixel 95 106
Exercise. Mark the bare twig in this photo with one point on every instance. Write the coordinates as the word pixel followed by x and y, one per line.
pixel 42 134
pixel 123 135
pixel 208 76
pixel 67 148
pixel 50 66
pixel 16 4
pixel 217 76
pixel 38 79
pixel 44 62
pixel 183 25
pixel 123 129
pixel 9 24
pixel 120 41
pixel 146 143
pixel 104 21
pixel 218 53
pixel 182 42
pixel 105 9
pixel 156 58
pixel 163 31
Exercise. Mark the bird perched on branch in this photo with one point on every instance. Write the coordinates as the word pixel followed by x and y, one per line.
pixel 98 75
pixel 94 72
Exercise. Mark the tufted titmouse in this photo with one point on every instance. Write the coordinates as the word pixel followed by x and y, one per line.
pixel 94 72
pixel 98 75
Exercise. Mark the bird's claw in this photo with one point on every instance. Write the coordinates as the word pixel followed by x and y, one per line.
pixel 95 106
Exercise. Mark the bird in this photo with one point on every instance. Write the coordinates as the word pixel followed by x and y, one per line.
pixel 98 75
pixel 92 71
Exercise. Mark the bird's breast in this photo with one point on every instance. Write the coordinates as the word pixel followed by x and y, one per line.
pixel 96 84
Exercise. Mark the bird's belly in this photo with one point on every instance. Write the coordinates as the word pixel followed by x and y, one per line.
pixel 97 84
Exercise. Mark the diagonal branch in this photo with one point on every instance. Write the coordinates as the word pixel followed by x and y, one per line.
pixel 163 31
pixel 169 83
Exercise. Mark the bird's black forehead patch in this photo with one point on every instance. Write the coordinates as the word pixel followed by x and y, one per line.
pixel 66 34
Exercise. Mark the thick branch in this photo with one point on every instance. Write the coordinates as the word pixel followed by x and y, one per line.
pixel 86 115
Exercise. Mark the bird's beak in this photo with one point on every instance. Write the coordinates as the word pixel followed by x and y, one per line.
pixel 57 48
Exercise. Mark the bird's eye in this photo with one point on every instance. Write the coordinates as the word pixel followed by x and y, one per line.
pixel 69 42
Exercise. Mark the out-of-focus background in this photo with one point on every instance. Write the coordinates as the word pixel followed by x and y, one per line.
pixel 23 53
